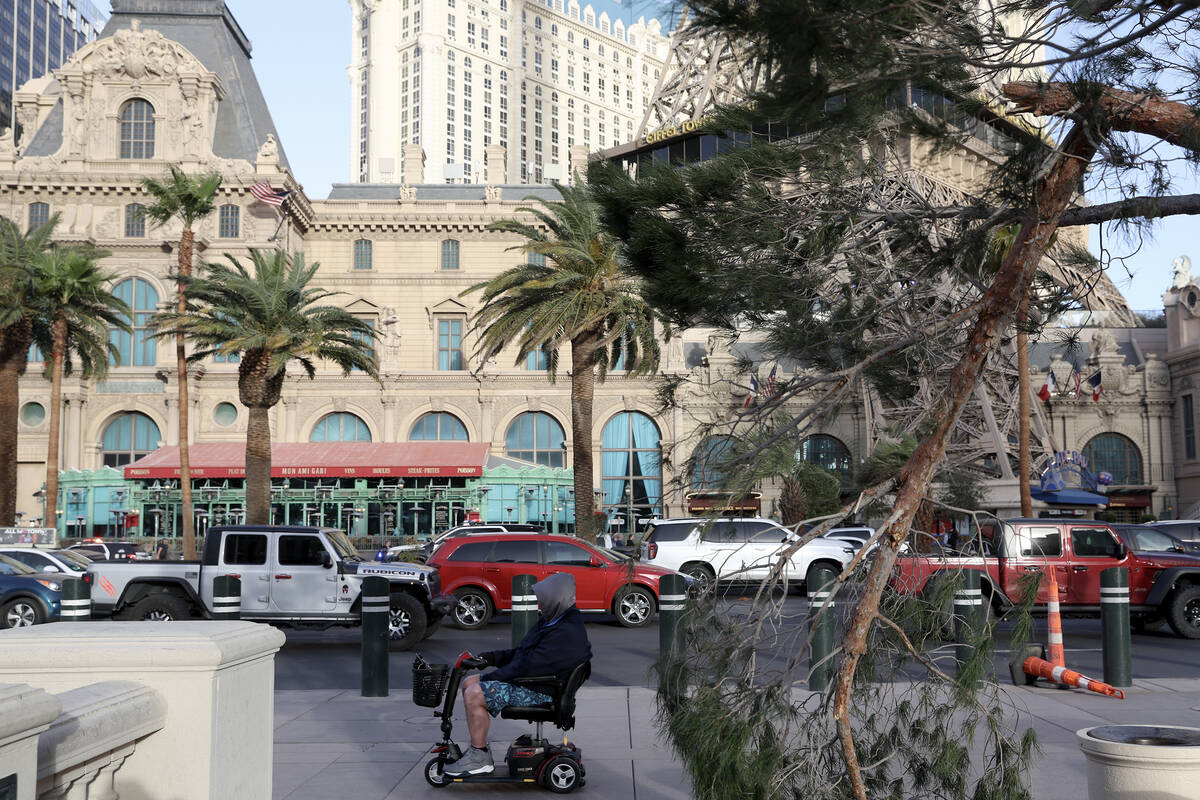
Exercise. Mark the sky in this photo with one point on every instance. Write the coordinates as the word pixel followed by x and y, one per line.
pixel 301 50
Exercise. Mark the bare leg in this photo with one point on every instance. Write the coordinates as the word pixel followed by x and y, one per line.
pixel 478 720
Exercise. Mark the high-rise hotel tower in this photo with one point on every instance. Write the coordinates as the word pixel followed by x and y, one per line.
pixel 459 76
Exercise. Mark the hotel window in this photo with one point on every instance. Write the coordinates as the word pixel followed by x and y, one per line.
pixel 449 344
pixel 362 254
pixel 450 254
pixel 127 438
pixel 438 426
pixel 135 220
pixel 229 222
pixel 137 130
pixel 135 348
pixel 340 427
pixel 39 214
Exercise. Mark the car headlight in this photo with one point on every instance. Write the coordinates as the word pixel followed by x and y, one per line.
pixel 51 585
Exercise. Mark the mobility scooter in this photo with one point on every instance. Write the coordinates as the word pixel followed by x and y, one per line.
pixel 530 759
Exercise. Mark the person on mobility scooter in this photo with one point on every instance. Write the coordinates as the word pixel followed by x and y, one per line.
pixel 555 646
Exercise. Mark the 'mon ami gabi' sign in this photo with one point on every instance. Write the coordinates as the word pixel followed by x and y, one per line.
pixel 313 472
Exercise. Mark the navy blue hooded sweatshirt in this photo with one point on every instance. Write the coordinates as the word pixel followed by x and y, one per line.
pixel 555 645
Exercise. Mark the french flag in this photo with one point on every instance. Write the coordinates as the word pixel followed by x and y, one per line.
pixel 1049 388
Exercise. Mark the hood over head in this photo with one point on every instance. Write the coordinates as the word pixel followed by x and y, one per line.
pixel 555 594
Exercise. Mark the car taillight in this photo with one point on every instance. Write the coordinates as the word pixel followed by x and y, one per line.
pixel 651 550
pixel 87 577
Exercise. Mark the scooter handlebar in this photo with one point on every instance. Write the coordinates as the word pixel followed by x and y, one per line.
pixel 468 661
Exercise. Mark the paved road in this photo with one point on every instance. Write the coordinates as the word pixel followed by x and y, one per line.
pixel 625 657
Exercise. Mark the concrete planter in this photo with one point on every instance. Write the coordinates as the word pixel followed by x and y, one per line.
pixel 1141 762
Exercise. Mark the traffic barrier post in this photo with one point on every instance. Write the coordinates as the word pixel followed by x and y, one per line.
pixel 1066 678
pixel 375 607
pixel 672 597
pixel 524 607
pixel 1114 627
pixel 821 619
pixel 227 597
pixel 968 616
pixel 75 602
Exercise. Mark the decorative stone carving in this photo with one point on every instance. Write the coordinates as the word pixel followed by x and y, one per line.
pixel 390 329
pixel 8 147
pixel 492 194
pixel 1103 343
pixel 77 136
pixel 268 154
pixel 1182 276
pixel 137 54
pixel 27 120
pixel 193 124
pixel 408 193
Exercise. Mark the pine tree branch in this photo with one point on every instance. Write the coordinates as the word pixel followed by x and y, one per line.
pixel 1129 208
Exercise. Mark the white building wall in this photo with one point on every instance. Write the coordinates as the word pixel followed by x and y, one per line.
pixel 456 76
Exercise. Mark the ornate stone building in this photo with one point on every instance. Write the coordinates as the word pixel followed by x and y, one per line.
pixel 171 82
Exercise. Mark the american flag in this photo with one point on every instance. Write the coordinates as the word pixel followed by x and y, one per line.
pixel 265 194
pixel 1078 379
pixel 771 382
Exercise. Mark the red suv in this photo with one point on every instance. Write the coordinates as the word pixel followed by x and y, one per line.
pixel 478 571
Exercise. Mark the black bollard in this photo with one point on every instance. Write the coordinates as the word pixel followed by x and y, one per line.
pixel 524 607
pixel 1114 627
pixel 821 618
pixel 227 597
pixel 376 605
pixel 672 598
pixel 76 601
pixel 968 616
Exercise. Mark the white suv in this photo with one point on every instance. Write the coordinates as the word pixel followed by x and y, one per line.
pixel 736 549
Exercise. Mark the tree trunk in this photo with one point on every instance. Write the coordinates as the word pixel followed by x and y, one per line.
pixel 583 385
pixel 185 458
pixel 56 381
pixel 996 310
pixel 1023 410
pixel 258 466
pixel 14 352
pixel 793 501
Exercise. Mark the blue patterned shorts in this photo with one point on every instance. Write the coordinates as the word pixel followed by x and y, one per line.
pixel 499 694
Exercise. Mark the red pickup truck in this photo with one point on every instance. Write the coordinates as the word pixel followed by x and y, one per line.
pixel 1162 586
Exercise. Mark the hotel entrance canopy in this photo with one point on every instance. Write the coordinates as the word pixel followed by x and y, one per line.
pixel 322 460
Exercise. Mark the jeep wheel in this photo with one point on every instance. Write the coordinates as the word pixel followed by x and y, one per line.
pixel 472 609
pixel 406 621
pixel 702 577
pixel 1183 612
pixel 160 608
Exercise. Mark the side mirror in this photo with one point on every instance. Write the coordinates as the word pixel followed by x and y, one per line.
pixel 50 568
pixel 326 561
pixel 1121 551
pixel 595 561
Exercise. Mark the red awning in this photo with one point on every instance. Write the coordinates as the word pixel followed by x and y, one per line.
pixel 322 460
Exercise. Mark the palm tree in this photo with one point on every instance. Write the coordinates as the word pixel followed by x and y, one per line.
pixel 18 310
pixel 267 317
pixel 579 294
pixel 77 312
pixel 187 199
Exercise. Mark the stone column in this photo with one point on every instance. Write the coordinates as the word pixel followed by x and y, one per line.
pixel 171 434
pixel 496 170
pixel 578 164
pixel 73 442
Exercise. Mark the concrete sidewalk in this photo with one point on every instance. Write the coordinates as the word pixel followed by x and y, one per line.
pixel 338 744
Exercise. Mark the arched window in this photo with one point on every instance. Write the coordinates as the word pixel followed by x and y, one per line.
pixel 536 436
pixel 135 349
pixel 340 427
pixel 362 254
pixel 39 214
pixel 438 426
pixel 1115 454
pixel 450 254
pixel 708 472
pixel 230 223
pixel 536 259
pixel 127 438
pixel 631 467
pixel 135 220
pixel 828 453
pixel 137 130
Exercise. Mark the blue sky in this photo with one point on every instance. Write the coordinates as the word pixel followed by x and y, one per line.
pixel 301 50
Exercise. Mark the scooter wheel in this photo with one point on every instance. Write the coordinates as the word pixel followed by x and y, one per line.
pixel 434 775
pixel 561 775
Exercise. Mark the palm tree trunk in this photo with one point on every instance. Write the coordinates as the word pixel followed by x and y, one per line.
pixel 583 385
pixel 185 459
pixel 56 380
pixel 258 466
pixel 14 352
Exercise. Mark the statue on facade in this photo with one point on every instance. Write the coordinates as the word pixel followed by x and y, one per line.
pixel 79 126
pixel 1103 343
pixel 269 152
pixel 8 148
pixel 193 125
pixel 1183 272
pixel 390 323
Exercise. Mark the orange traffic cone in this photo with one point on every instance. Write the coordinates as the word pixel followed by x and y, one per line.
pixel 1068 677
pixel 1054 625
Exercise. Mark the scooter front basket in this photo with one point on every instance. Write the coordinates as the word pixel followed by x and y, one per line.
pixel 429 683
